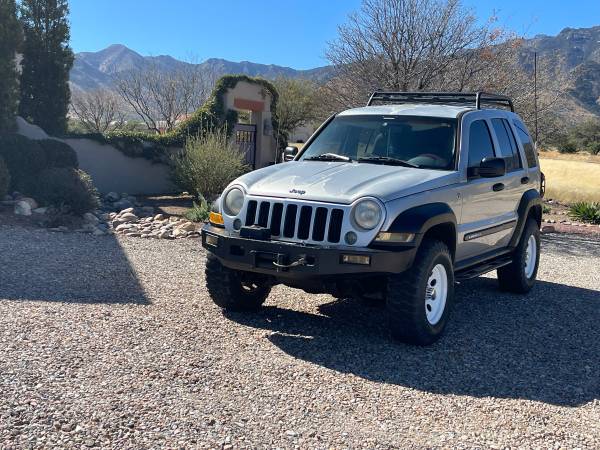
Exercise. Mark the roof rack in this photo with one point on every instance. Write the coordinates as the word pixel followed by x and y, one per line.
pixel 476 99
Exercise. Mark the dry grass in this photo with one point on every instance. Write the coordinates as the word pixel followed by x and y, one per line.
pixel 571 180
pixel 581 156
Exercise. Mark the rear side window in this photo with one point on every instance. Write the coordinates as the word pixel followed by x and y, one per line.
pixel 507 143
pixel 480 143
pixel 527 143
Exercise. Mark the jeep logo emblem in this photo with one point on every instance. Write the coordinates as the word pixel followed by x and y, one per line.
pixel 297 191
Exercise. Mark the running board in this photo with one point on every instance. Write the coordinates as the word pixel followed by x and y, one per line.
pixel 484 267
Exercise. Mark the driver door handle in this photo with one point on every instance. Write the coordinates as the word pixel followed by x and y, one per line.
pixel 498 187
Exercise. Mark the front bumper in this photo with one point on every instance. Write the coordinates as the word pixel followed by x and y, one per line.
pixel 264 256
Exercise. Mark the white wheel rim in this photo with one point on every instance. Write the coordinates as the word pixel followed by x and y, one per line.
pixel 436 294
pixel 530 256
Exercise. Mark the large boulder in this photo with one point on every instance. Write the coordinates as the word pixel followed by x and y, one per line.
pixel 22 208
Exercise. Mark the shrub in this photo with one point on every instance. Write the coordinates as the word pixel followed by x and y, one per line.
pixel 567 147
pixel 66 188
pixel 586 212
pixel 208 164
pixel 4 178
pixel 24 159
pixel 199 212
pixel 59 154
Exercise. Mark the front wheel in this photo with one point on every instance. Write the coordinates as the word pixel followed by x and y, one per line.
pixel 519 276
pixel 233 290
pixel 419 300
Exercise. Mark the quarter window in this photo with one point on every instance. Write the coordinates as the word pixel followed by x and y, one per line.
pixel 507 143
pixel 480 143
pixel 527 143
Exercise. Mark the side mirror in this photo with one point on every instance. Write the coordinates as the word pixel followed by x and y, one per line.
pixel 492 167
pixel 289 153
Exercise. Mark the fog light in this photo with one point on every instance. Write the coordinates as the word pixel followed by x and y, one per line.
pixel 215 219
pixel 212 240
pixel 237 224
pixel 356 259
pixel 403 238
pixel 350 238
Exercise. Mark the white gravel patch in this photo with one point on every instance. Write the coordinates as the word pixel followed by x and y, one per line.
pixel 113 342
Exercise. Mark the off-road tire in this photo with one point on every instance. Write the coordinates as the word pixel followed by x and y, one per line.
pixel 226 289
pixel 406 294
pixel 512 278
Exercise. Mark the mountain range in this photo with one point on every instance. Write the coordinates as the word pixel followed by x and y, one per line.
pixel 575 51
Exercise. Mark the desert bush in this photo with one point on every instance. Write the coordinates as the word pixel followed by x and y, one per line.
pixel 4 178
pixel 59 154
pixel 65 188
pixel 586 212
pixel 24 159
pixel 567 146
pixel 199 212
pixel 208 164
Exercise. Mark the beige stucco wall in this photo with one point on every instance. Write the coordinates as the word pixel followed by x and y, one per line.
pixel 109 168
pixel 265 142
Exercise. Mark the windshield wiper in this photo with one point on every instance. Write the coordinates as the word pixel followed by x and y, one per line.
pixel 387 160
pixel 329 157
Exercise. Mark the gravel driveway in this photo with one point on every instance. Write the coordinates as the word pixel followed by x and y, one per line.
pixel 114 343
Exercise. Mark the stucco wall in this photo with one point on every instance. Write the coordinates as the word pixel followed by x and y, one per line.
pixel 109 168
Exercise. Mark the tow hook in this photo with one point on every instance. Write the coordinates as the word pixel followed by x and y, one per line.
pixel 301 261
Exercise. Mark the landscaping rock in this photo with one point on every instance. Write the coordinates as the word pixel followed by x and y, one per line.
pixel 31 202
pixel 43 210
pixel 188 226
pixel 22 208
pixel 112 197
pixel 123 204
pixel 159 217
pixel 127 217
pixel 90 218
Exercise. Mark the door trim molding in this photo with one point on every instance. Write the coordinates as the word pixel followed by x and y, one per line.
pixel 487 231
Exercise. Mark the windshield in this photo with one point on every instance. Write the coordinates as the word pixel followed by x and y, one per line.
pixel 418 141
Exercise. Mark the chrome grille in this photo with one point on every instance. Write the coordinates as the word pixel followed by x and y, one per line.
pixel 296 221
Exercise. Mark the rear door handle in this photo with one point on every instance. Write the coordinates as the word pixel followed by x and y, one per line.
pixel 524 180
pixel 498 187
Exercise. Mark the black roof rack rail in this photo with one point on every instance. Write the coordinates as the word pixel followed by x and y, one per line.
pixel 476 99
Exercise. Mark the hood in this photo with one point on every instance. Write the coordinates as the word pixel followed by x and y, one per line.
pixel 342 182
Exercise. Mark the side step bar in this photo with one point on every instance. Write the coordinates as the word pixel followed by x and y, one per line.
pixel 484 267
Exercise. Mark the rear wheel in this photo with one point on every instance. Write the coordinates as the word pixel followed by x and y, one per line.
pixel 419 300
pixel 519 276
pixel 233 290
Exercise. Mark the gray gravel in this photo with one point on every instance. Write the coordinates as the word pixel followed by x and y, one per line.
pixel 114 343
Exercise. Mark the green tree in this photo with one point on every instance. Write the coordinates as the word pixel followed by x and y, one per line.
pixel 47 60
pixel 297 104
pixel 10 39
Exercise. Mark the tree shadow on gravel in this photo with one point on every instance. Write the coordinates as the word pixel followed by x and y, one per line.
pixel 36 265
pixel 543 347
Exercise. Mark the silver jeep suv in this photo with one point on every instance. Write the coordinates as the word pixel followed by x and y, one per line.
pixel 397 200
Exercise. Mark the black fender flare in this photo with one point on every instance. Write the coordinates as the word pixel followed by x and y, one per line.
pixel 420 219
pixel 531 202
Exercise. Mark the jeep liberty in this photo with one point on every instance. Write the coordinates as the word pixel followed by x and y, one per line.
pixel 398 200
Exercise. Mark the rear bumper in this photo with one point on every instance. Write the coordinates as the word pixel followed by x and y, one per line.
pixel 259 256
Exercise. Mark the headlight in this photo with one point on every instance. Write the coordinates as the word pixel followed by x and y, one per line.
pixel 367 214
pixel 233 202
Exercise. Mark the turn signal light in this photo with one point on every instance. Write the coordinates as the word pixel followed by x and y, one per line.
pixel 403 238
pixel 216 219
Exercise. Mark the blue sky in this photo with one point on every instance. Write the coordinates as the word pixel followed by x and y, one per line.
pixel 285 32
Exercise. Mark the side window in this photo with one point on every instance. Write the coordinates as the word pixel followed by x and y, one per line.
pixel 507 144
pixel 480 143
pixel 527 143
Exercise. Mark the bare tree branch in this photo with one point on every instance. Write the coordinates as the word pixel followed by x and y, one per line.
pixel 98 111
